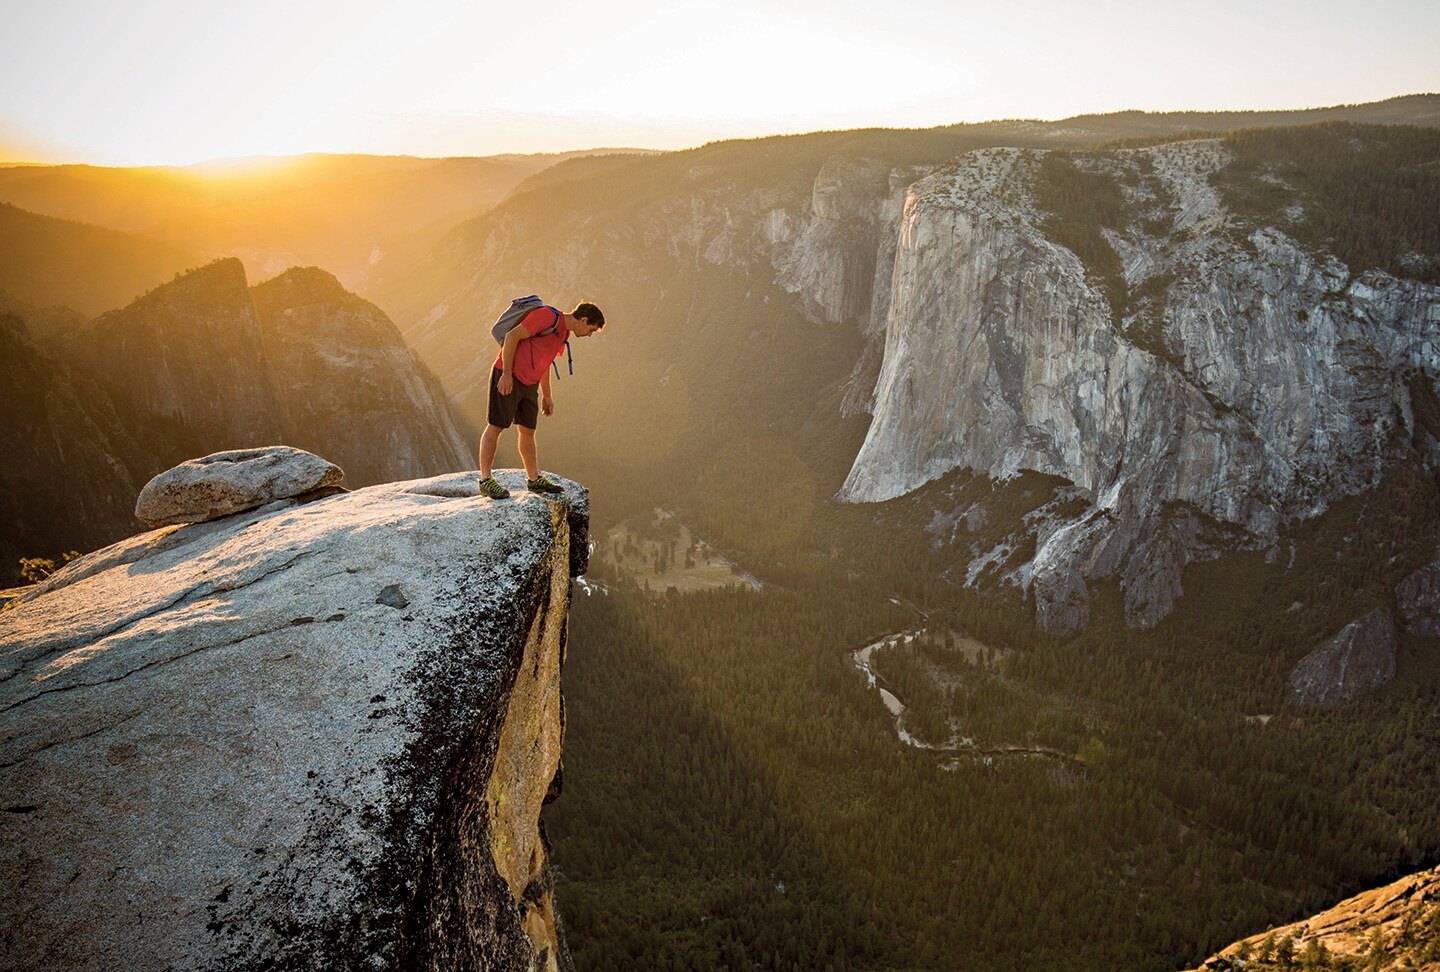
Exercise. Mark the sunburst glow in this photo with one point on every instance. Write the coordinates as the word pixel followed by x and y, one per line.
pixel 162 81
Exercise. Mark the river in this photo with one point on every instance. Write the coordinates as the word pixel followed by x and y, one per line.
pixel 959 748
pixel 861 659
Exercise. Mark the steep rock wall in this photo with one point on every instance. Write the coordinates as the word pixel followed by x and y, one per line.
pixel 302 737
pixel 1274 384
pixel 347 385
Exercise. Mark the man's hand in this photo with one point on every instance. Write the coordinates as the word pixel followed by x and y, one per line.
pixel 547 406
pixel 506 384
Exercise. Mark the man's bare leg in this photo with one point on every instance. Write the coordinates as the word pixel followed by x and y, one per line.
pixel 489 439
pixel 527 452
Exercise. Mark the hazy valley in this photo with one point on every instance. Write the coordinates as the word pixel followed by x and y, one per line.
pixel 1118 436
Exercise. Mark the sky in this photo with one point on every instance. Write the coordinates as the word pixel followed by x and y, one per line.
pixel 131 82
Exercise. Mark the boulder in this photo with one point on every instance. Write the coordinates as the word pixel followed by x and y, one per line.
pixel 1359 658
pixel 311 736
pixel 228 482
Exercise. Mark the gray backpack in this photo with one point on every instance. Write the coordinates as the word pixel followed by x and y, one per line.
pixel 516 312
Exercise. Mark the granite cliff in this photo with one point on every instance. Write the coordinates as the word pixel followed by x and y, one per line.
pixel 1245 383
pixel 304 736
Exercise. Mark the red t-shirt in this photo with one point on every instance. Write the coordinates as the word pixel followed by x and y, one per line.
pixel 535 353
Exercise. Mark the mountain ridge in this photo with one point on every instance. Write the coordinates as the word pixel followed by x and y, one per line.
pixel 311 735
pixel 206 363
pixel 51 261
pixel 347 213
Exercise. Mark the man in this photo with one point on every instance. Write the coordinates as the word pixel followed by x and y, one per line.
pixel 520 377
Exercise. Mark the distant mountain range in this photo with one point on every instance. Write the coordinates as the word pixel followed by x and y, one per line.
pixel 686 249
pixel 347 213
pixel 1079 369
pixel 203 364
pixel 49 262
pixel 760 282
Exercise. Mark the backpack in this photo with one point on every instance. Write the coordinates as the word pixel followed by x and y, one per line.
pixel 516 312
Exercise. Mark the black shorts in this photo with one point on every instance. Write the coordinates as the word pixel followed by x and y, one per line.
pixel 520 407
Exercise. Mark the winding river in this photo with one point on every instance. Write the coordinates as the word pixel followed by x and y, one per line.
pixel 860 657
pixel 959 748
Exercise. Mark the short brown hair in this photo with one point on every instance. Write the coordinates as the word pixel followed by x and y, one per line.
pixel 590 312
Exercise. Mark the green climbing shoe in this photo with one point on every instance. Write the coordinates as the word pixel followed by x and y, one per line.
pixel 491 488
pixel 543 484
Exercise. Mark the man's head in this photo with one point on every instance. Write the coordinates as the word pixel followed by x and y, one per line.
pixel 588 319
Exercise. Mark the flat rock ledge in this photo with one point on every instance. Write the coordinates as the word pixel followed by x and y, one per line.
pixel 305 737
pixel 228 482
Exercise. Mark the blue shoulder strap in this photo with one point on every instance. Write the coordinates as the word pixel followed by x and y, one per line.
pixel 569 361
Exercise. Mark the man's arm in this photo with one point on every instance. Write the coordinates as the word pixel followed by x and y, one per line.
pixel 513 337
pixel 547 404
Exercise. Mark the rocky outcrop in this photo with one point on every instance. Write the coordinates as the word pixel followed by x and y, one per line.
pixel 1359 658
pixel 346 385
pixel 1247 381
pixel 205 363
pixel 1388 927
pixel 310 736
pixel 229 482
pixel 1418 598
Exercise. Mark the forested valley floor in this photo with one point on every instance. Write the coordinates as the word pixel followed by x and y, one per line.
pixel 735 795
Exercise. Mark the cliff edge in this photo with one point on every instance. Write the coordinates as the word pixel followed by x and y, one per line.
pixel 299 737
